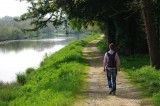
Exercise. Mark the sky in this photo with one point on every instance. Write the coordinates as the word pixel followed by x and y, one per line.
pixel 12 8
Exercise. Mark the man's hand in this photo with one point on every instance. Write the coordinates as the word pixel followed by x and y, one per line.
pixel 118 68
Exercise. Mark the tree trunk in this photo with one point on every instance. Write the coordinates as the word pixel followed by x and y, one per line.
pixel 111 31
pixel 152 37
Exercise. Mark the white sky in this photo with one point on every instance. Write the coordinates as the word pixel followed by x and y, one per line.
pixel 12 8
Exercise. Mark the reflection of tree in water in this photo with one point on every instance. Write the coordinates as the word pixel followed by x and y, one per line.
pixel 38 45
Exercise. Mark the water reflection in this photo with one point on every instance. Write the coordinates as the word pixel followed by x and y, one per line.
pixel 17 56
pixel 38 45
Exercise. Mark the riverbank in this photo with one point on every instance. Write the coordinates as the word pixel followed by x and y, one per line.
pixel 57 81
pixel 13 54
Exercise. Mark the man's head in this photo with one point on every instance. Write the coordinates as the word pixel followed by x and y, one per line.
pixel 111 46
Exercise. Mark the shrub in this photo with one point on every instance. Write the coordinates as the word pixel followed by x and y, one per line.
pixel 21 78
pixel 29 71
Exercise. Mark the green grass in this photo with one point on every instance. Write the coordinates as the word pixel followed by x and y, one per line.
pixel 102 45
pixel 140 73
pixel 57 82
pixel 21 78
pixel 148 79
pixel 8 92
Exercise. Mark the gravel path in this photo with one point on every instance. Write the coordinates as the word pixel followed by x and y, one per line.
pixel 97 92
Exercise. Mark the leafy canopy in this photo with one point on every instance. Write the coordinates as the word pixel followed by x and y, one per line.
pixel 84 12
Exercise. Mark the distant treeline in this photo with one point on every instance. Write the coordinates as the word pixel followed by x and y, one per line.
pixel 12 30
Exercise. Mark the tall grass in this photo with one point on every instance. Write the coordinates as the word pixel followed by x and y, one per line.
pixel 8 92
pixel 148 78
pixel 140 73
pixel 57 81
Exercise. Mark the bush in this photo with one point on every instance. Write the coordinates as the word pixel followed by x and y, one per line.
pixel 21 78
pixel 29 71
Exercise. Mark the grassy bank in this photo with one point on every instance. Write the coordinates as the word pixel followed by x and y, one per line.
pixel 141 73
pixel 57 81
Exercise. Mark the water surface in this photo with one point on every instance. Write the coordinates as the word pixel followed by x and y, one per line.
pixel 17 56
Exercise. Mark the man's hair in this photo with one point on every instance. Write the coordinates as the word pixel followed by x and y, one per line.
pixel 112 46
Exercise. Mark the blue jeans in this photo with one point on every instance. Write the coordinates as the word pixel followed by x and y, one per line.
pixel 111 74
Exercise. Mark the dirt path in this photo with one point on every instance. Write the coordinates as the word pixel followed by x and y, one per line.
pixel 97 92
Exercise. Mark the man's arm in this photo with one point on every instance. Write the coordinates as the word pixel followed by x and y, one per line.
pixel 105 63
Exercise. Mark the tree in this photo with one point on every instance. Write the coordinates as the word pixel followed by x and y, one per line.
pixel 152 37
pixel 114 18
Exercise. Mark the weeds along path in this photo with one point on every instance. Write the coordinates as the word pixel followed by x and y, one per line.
pixel 97 92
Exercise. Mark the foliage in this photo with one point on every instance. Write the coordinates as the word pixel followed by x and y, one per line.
pixel 148 79
pixel 8 92
pixel 21 78
pixel 102 46
pixel 11 30
pixel 135 61
pixel 83 12
pixel 29 71
pixel 120 21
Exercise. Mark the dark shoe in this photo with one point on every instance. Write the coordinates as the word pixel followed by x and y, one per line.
pixel 114 93
pixel 110 92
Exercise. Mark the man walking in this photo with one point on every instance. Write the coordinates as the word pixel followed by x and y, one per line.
pixel 111 66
